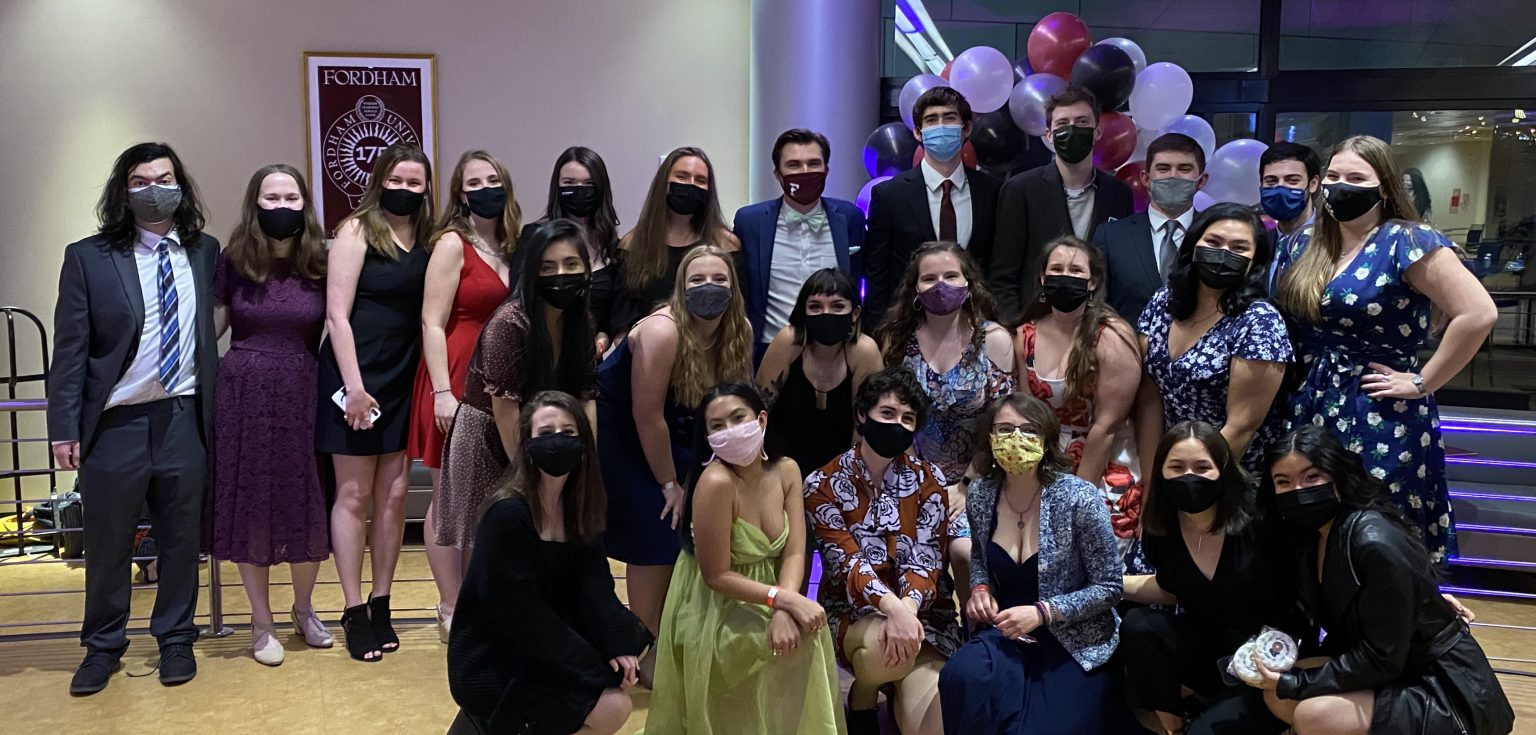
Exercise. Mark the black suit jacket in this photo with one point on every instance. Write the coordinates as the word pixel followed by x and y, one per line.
pixel 899 222
pixel 1032 211
pixel 97 323
pixel 1130 264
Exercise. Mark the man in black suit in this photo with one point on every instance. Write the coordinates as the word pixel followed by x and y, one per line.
pixel 938 199
pixel 1065 197
pixel 130 401
pixel 1140 250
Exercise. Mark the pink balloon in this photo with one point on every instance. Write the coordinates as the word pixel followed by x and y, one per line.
pixel 1055 43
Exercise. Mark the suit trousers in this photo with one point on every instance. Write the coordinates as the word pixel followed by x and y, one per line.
pixel 146 454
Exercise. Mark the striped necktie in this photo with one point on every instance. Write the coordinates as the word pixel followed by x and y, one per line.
pixel 170 323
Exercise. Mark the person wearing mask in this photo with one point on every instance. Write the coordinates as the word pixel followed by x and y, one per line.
pixel 469 274
pixel 1213 349
pixel 1289 177
pixel 879 512
pixel 541 643
pixel 681 211
pixel 648 389
pixel 1067 196
pixel 266 505
pixel 580 191
pixel 130 401
pixel 741 649
pixel 1045 578
pixel 1140 251
pixel 785 240
pixel 1359 295
pixel 938 199
pixel 375 276
pixel 1418 191
pixel 1398 656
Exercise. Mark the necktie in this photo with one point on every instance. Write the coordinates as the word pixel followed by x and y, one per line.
pixel 815 220
pixel 170 324
pixel 1170 249
pixel 947 228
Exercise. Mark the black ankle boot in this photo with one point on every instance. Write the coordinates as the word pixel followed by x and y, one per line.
pixel 383 631
pixel 358 631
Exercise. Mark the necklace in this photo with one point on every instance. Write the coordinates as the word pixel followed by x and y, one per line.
pixel 1022 513
pixel 475 241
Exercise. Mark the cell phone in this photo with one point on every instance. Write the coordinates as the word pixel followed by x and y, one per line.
pixel 340 399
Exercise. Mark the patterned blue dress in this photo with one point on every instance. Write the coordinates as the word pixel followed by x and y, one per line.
pixel 1370 314
pixel 1194 386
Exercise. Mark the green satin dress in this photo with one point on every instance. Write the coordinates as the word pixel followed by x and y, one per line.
pixel 715 674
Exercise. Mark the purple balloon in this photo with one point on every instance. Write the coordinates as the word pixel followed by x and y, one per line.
pixel 914 88
pixel 1021 69
pixel 1203 201
pixel 1162 93
pixel 1197 128
pixel 862 200
pixel 1027 101
pixel 889 150
pixel 984 75
pixel 1234 172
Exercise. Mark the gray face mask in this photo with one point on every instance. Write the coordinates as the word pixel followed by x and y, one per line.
pixel 1173 195
pixel 154 203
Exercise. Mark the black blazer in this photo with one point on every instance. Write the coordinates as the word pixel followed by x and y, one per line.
pixel 97 322
pixel 1130 264
pixel 1032 211
pixel 899 222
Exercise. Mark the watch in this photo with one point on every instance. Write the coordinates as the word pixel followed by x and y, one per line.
pixel 1418 384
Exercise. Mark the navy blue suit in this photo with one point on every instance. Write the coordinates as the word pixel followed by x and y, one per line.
pixel 756 225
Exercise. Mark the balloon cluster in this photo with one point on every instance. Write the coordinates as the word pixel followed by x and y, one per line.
pixel 1138 102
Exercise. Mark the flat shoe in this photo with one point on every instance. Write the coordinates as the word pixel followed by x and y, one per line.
pixel 264 646
pixel 308 625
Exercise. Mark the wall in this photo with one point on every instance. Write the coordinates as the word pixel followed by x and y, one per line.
pixel 1447 167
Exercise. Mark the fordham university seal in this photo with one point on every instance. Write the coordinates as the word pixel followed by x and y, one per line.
pixel 356 138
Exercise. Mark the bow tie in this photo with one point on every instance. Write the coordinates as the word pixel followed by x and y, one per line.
pixel 815 220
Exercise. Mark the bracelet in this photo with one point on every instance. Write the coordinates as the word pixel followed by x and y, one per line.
pixel 1045 612
pixel 976 587
pixel 440 392
pixel 773 596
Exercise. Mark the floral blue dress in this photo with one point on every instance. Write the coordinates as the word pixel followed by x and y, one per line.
pixel 1194 386
pixel 1370 314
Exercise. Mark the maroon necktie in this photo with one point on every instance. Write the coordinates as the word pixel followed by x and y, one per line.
pixel 947 228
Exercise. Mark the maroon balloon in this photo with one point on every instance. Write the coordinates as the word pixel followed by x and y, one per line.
pixel 1116 143
pixel 947 67
pixel 1131 173
pixel 967 156
pixel 1056 42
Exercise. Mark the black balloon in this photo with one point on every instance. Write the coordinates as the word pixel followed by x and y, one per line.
pixel 999 143
pixel 889 150
pixel 1021 69
pixel 1108 73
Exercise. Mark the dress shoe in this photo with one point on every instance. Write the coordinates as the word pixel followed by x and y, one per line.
pixel 94 673
pixel 307 624
pixel 264 646
pixel 177 666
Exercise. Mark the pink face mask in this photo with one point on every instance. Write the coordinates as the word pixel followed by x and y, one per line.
pixel 739 444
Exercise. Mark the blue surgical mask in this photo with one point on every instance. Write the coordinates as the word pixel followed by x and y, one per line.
pixel 1282 202
pixel 943 141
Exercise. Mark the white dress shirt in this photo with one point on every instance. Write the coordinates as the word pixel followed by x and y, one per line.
pixel 959 197
pixel 1158 220
pixel 798 251
pixel 141 384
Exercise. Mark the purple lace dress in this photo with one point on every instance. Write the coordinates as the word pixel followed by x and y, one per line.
pixel 267 506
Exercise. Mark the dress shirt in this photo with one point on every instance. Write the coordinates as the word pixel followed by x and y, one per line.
pixel 141 384
pixel 959 198
pixel 1158 220
pixel 798 251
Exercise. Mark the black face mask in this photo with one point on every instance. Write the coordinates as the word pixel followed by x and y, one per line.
pixel 281 223
pixel 401 202
pixel 829 329
pixel 1065 293
pixel 555 455
pixel 1219 268
pixel 1348 202
pixel 578 201
pixel 1192 493
pixel 1308 506
pixel 487 203
pixel 1073 143
pixel 563 291
pixel 888 440
pixel 686 199
pixel 707 300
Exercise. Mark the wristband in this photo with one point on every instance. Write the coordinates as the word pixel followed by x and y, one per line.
pixel 1045 612
pixel 773 596
pixel 986 587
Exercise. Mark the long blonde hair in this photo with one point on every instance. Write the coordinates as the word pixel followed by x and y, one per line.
pixel 456 213
pixel 1300 291
pixel 700 366
pixel 370 215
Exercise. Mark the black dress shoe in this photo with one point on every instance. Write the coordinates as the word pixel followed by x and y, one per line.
pixel 177 666
pixel 94 673
pixel 862 721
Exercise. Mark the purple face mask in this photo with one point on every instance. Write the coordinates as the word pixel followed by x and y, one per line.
pixel 943 298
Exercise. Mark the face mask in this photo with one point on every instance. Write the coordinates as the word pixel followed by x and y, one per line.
pixel 487 203
pixel 1282 202
pixel 1174 194
pixel 739 444
pixel 1219 268
pixel 155 202
pixel 829 329
pixel 943 142
pixel 943 298
pixel 887 440
pixel 1308 506
pixel 686 199
pixel 578 201
pixel 1073 143
pixel 1065 293
pixel 1347 202
pixel 280 223
pixel 401 202
pixel 1192 493
pixel 707 300
pixel 555 455
pixel 1017 453
pixel 804 188
pixel 563 290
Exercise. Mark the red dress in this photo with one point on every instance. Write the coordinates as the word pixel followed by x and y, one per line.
pixel 480 292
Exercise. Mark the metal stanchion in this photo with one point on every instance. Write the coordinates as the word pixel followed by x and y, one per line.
pixel 216 626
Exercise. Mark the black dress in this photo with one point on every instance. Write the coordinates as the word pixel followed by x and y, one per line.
pixel 535 626
pixel 386 331
pixel 600 292
pixel 629 306
pixel 809 430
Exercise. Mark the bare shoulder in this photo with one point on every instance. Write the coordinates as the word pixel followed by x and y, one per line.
pixel 729 241
pixel 656 330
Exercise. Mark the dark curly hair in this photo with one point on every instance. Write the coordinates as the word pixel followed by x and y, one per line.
pixel 112 208
pixel 1183 286
pixel 897 380
pixel 1054 464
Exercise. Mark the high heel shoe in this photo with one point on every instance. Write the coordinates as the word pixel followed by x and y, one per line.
pixel 265 647
pixel 359 632
pixel 444 623
pixel 309 626
pixel 383 632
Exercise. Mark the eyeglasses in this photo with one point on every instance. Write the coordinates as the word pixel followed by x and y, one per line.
pixel 1006 429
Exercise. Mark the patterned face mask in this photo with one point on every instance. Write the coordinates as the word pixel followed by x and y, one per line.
pixel 1018 453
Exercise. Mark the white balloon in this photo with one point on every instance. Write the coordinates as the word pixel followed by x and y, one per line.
pixel 1026 103
pixel 914 88
pixel 1138 57
pixel 1162 93
pixel 1144 138
pixel 984 75
pixel 1197 128
pixel 1234 172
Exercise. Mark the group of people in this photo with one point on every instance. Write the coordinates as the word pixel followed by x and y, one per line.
pixel 1008 448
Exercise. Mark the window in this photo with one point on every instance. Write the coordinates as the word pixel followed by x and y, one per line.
pixel 1382 34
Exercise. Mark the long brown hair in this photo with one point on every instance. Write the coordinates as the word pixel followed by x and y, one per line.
pixel 647 257
pixel 585 500
pixel 370 216
pixel 1055 461
pixel 250 250
pixel 1300 291
pixel 699 366
pixel 905 315
pixel 1098 319
pixel 455 216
